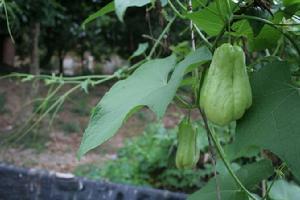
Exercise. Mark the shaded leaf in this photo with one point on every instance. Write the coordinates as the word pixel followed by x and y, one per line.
pixel 257 12
pixel 290 2
pixel 268 36
pixel 242 28
pixel 273 121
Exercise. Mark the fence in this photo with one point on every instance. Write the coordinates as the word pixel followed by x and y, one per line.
pixel 30 184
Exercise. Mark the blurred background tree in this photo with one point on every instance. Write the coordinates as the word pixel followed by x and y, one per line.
pixel 44 29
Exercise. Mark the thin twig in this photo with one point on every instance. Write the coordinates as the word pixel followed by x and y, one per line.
pixel 215 44
pixel 7 21
pixel 58 103
pixel 227 164
pixel 148 19
pixel 154 40
pixel 181 5
pixel 175 10
pixel 221 152
pixel 297 48
pixel 166 29
pixel 213 154
pixel 207 43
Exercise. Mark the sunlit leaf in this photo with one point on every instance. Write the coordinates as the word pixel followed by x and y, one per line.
pixel 148 86
pixel 122 5
pixel 103 11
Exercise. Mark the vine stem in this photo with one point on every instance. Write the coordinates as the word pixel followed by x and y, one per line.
pixel 273 26
pixel 203 37
pixel 223 156
pixel 7 21
pixel 166 29
pixel 175 10
pixel 181 5
pixel 265 197
pixel 196 73
pixel 58 103
pixel 43 76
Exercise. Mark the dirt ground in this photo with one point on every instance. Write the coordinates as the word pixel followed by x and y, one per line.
pixel 54 148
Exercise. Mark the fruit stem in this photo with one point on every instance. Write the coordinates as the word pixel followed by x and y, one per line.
pixel 222 155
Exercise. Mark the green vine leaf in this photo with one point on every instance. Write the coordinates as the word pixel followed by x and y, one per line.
pixel 282 189
pixel 140 50
pixel 216 17
pixel 267 37
pixel 147 86
pixel 164 2
pixel 250 175
pixel 103 11
pixel 122 5
pixel 273 121
pixel 213 26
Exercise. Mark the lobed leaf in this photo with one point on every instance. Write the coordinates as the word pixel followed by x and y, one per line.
pixel 148 86
pixel 273 121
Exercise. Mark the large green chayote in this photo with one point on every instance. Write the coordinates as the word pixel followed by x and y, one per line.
pixel 226 91
pixel 187 154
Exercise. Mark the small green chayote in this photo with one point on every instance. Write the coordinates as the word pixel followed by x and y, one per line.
pixel 187 154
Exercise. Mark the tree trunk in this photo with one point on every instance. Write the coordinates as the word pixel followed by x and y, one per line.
pixel 61 63
pixel 46 60
pixel 31 88
pixel 9 51
pixel 82 62
pixel 35 61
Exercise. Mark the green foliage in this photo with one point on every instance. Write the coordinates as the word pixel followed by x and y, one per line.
pixel 215 24
pixel 267 35
pixel 273 121
pixel 140 50
pixel 71 127
pixel 103 11
pixel 282 189
pixel 142 155
pixel 81 106
pixel 122 5
pixel 250 175
pixel 147 86
pixel 149 160
pixel 35 139
pixel 41 105
pixel 26 14
pixel 266 30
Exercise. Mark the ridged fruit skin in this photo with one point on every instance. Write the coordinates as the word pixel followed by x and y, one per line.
pixel 226 92
pixel 187 154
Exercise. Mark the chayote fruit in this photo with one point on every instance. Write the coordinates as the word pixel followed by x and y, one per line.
pixel 187 154
pixel 226 91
